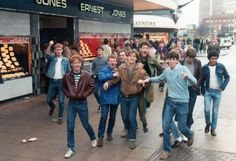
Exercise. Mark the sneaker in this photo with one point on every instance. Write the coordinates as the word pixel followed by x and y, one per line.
pixel 207 128
pixel 185 139
pixel 109 137
pixel 124 133
pixel 60 121
pixel 190 140
pixel 132 144
pixel 69 153
pixel 176 144
pixel 99 108
pixel 165 155
pixel 94 143
pixel 145 129
pixel 213 132
pixel 100 142
pixel 51 111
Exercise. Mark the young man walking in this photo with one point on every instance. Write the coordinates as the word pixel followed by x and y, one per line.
pixel 215 80
pixel 58 67
pixel 109 99
pixel 177 78
pixel 77 86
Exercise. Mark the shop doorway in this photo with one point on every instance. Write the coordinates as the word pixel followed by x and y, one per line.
pixel 58 29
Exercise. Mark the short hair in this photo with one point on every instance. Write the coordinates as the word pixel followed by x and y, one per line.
pixel 74 47
pixel 76 57
pixel 191 52
pixel 99 48
pixel 105 41
pixel 57 45
pixel 133 52
pixel 145 43
pixel 121 51
pixel 213 53
pixel 112 56
pixel 173 54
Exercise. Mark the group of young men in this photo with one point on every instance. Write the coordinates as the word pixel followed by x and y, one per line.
pixel 126 80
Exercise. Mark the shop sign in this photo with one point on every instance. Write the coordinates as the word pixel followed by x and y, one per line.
pixel 52 3
pixel 85 7
pixel 145 24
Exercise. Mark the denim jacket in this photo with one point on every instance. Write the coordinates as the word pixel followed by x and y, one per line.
pixel 221 73
pixel 52 60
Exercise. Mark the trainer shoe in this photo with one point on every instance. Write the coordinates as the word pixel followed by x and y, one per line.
pixel 165 155
pixel 69 153
pixel 109 137
pixel 213 132
pixel 132 144
pixel 207 128
pixel 190 140
pixel 100 142
pixel 94 143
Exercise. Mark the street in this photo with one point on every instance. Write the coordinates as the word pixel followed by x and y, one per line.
pixel 28 117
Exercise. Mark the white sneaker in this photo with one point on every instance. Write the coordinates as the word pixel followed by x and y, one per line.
pixel 94 143
pixel 69 153
pixel 185 138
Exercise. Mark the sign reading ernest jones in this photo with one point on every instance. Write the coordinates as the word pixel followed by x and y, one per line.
pixel 53 3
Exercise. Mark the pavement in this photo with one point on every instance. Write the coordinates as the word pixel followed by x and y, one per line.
pixel 26 118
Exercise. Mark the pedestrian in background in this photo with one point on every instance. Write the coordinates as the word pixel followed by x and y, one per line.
pixel 98 63
pixel 77 86
pixel 107 51
pixel 215 80
pixel 195 67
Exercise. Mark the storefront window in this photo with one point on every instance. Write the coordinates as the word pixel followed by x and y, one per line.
pixel 89 42
pixel 15 57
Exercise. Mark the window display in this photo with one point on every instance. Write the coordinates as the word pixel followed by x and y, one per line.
pixel 15 57
pixel 89 42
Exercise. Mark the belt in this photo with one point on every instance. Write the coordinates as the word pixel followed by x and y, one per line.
pixel 129 95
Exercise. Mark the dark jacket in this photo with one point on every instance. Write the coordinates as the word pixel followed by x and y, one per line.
pixel 197 73
pixel 221 73
pixel 84 89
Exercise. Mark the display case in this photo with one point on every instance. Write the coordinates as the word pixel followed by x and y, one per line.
pixel 16 67
pixel 15 57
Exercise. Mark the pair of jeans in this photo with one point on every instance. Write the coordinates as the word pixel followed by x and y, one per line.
pixel 129 107
pixel 191 104
pixel 173 127
pixel 55 86
pixel 80 107
pixel 111 109
pixel 214 97
pixel 180 109
pixel 96 91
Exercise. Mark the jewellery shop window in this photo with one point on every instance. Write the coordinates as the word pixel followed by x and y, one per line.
pixel 15 57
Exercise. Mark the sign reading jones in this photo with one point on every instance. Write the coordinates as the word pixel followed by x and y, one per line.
pixel 100 9
pixel 53 3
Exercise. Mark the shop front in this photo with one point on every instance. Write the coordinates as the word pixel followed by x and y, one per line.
pixel 157 27
pixel 26 29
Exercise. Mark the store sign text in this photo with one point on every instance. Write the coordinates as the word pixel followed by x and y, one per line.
pixel 91 8
pixel 118 13
pixel 53 3
pixel 100 10
pixel 144 24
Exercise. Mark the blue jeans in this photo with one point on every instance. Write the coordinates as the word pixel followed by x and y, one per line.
pixel 111 109
pixel 180 109
pixel 192 101
pixel 215 97
pixel 173 127
pixel 96 91
pixel 55 86
pixel 81 108
pixel 129 108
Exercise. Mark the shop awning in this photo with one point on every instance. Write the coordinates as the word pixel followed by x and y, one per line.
pixel 145 5
pixel 151 21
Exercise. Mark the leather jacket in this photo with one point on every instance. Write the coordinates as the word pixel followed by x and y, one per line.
pixel 84 89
